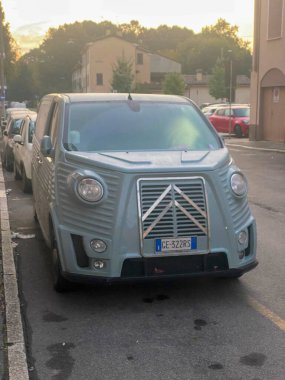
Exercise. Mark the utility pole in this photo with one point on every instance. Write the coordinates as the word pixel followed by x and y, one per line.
pixel 2 59
pixel 230 95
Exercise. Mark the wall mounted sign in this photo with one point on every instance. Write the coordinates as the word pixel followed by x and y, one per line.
pixel 276 94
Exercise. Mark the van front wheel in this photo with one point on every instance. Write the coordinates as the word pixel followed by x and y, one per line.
pixel 60 284
pixel 26 182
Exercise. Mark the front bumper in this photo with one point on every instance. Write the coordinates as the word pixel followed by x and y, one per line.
pixel 135 270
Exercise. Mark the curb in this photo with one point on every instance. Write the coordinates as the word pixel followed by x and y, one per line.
pixel 17 357
pixel 256 148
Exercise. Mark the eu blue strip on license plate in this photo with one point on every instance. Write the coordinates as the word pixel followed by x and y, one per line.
pixel 176 245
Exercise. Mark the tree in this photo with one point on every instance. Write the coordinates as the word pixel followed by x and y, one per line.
pixel 53 62
pixel 217 86
pixel 174 84
pixel 8 47
pixel 22 86
pixel 201 50
pixel 123 76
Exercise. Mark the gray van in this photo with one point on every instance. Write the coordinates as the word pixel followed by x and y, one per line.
pixel 132 186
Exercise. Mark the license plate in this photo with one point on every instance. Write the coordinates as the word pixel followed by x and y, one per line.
pixel 176 245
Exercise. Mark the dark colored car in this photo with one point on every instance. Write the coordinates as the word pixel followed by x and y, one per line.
pixel 233 119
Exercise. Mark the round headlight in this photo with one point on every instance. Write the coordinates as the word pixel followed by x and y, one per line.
pixel 243 237
pixel 90 190
pixel 238 184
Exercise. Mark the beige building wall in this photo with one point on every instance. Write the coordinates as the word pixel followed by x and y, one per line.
pixel 142 72
pixel 242 95
pixel 199 95
pixel 268 75
pixel 102 56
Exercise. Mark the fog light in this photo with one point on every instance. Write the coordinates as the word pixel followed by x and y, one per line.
pixel 99 264
pixel 241 254
pixel 98 245
pixel 243 238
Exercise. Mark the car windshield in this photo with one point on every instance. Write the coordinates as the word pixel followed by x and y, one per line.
pixel 137 126
pixel 241 112
pixel 16 126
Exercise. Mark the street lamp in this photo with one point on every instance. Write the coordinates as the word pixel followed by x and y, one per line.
pixel 230 97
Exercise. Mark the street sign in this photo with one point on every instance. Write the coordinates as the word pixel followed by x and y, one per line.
pixel 2 97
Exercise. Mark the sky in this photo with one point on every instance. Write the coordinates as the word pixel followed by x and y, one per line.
pixel 30 19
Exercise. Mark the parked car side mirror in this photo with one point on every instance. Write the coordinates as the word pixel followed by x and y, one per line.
pixel 47 149
pixel 5 133
pixel 18 139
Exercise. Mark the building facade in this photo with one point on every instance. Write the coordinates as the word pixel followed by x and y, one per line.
pixel 268 73
pixel 197 89
pixel 95 71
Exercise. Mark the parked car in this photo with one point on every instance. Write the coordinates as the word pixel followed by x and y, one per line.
pixel 23 152
pixel 12 128
pixel 234 119
pixel 209 110
pixel 131 187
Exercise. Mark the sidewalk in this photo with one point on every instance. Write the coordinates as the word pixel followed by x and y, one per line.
pixel 13 358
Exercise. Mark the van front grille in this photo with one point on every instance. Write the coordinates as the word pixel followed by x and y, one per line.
pixel 173 208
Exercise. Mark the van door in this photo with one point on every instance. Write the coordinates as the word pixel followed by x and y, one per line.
pixel 45 174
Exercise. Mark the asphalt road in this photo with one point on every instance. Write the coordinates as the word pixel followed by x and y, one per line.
pixel 194 329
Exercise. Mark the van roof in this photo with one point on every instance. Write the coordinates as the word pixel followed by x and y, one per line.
pixel 89 97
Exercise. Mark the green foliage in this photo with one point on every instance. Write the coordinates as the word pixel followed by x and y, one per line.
pixel 122 75
pixel 174 84
pixel 223 29
pixel 21 88
pixel 9 48
pixel 202 50
pixel 51 65
pixel 217 86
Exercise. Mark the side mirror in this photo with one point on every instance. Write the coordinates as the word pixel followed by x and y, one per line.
pixel 47 149
pixel 18 139
pixel 5 133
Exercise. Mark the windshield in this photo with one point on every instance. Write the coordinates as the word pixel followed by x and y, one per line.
pixel 31 131
pixel 16 127
pixel 241 112
pixel 137 126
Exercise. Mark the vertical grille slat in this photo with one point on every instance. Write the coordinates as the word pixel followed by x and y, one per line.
pixel 173 208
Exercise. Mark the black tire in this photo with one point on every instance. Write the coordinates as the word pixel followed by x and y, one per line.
pixel 16 173
pixel 26 183
pixel 35 216
pixel 60 284
pixel 9 165
pixel 238 131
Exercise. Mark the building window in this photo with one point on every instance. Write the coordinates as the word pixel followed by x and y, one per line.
pixel 99 79
pixel 140 58
pixel 275 19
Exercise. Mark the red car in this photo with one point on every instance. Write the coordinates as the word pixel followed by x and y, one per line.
pixel 234 119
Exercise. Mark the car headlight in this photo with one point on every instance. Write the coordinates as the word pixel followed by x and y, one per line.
pixel 238 184
pixel 90 190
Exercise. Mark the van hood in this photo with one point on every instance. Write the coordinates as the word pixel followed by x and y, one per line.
pixel 152 161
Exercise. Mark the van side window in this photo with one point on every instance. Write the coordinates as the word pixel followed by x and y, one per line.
pixel 54 121
pixel 42 117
